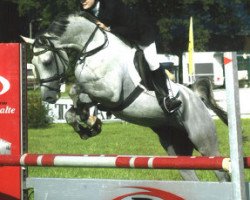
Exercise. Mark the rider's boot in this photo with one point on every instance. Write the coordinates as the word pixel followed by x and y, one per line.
pixel 168 104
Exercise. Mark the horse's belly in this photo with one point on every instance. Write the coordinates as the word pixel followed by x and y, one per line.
pixel 144 111
pixel 143 115
pixel 141 120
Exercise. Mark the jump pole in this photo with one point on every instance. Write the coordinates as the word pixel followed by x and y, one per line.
pixel 119 161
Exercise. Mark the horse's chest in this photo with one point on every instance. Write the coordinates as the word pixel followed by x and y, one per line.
pixel 92 70
pixel 98 82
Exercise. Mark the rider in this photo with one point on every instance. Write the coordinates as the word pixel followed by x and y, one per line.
pixel 136 26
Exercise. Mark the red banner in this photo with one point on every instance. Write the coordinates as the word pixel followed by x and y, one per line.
pixel 10 117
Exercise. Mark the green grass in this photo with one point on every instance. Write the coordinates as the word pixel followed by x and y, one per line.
pixel 117 138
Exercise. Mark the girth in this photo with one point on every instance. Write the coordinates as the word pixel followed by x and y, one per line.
pixel 143 70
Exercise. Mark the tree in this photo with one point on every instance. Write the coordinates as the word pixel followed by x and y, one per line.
pixel 47 10
pixel 213 20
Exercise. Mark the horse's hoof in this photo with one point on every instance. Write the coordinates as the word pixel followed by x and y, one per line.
pixel 95 125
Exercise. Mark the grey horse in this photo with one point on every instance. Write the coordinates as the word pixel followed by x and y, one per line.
pixel 106 74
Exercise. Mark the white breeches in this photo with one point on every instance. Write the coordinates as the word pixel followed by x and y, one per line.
pixel 151 57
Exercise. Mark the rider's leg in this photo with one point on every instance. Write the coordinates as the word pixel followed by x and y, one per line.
pixel 159 80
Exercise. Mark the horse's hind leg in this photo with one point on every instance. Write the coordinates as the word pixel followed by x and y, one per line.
pixel 207 145
pixel 220 174
pixel 176 143
pixel 173 150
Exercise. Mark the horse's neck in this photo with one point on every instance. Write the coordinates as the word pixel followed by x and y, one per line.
pixel 79 31
pixel 117 55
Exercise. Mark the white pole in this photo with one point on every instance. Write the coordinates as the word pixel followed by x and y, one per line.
pixel 235 136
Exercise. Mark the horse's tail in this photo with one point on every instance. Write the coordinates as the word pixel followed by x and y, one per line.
pixel 203 87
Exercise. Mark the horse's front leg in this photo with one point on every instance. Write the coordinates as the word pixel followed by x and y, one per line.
pixel 85 125
pixel 78 115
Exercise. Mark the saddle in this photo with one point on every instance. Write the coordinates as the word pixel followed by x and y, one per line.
pixel 142 67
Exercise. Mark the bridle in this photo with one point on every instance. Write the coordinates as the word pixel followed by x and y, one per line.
pixel 49 46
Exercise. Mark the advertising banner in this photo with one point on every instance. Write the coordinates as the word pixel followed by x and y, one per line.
pixel 11 115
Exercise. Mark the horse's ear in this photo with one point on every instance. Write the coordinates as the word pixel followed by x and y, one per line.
pixel 27 40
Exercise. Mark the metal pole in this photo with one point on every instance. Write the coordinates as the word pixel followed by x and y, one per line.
pixel 235 136
pixel 30 29
pixel 31 26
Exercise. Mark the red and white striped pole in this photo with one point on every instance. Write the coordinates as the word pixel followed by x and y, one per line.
pixel 119 161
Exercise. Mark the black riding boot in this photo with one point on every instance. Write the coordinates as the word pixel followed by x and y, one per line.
pixel 168 104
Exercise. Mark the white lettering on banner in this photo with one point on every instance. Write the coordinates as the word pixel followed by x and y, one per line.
pixel 6 85
pixel 7 110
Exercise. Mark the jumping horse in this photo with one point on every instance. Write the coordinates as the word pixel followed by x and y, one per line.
pixel 106 76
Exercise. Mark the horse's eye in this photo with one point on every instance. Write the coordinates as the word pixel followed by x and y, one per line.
pixel 47 58
pixel 48 62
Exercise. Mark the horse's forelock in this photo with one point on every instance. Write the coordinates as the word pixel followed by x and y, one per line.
pixel 42 41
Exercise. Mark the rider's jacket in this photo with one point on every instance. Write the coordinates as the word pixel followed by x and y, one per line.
pixel 133 23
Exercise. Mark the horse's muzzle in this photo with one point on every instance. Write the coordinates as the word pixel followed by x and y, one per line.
pixel 49 96
pixel 50 100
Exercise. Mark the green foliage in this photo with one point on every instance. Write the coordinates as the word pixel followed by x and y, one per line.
pixel 216 23
pixel 37 112
pixel 27 6
pixel 119 139
pixel 46 10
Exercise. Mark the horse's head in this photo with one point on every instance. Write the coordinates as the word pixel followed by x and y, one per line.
pixel 51 63
pixel 72 32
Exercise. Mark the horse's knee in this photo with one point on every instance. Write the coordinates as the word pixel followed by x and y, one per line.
pixel 70 115
pixel 223 176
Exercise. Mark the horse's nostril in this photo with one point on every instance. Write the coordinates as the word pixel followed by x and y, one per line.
pixel 50 100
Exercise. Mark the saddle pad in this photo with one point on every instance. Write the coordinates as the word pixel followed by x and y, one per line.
pixel 135 77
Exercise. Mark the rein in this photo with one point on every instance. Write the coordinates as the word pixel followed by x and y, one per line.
pixel 84 54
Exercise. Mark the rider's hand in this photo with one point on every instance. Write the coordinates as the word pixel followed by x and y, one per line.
pixel 103 26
